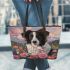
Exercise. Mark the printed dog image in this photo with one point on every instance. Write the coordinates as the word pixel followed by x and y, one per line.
pixel 37 41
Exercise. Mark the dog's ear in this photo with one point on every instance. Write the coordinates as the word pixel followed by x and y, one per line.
pixel 27 34
pixel 23 35
pixel 41 30
pixel 46 33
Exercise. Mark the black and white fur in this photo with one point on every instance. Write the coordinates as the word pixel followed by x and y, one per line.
pixel 37 38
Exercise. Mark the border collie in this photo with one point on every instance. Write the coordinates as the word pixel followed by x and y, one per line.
pixel 36 40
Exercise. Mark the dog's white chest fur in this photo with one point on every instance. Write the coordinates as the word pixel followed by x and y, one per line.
pixel 38 49
pixel 32 49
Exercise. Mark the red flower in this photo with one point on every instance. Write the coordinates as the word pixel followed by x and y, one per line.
pixel 23 54
pixel 42 55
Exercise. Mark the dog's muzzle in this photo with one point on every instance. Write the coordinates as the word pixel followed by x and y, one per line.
pixel 34 42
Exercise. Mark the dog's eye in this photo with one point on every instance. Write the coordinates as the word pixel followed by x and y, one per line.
pixel 31 35
pixel 38 36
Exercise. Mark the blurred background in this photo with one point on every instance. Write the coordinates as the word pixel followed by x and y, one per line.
pixel 59 15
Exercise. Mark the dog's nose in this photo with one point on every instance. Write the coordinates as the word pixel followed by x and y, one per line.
pixel 34 42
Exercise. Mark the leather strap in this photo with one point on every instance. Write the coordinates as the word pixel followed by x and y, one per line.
pixel 38 6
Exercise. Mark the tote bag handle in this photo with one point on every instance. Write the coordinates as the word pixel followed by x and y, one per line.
pixel 39 11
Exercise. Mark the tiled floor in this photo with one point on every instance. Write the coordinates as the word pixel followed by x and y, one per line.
pixel 61 63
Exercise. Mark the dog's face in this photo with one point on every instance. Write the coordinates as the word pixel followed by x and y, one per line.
pixel 37 38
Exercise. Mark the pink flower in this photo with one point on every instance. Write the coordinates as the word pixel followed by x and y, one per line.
pixel 16 56
pixel 42 55
pixel 54 50
pixel 23 54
